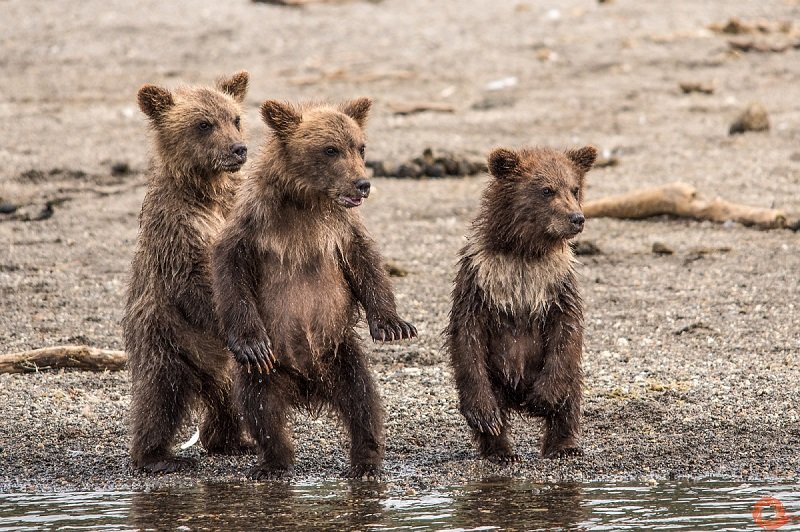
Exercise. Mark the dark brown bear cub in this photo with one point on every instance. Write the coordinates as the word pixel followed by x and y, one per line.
pixel 290 270
pixel 516 325
pixel 171 333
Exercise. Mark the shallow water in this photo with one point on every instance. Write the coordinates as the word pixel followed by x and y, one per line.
pixel 489 505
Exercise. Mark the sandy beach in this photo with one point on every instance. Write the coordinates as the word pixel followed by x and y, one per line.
pixel 692 359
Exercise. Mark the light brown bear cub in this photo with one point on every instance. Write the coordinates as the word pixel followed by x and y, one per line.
pixel 171 333
pixel 516 325
pixel 290 270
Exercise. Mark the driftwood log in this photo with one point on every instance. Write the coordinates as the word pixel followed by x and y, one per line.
pixel 63 356
pixel 682 200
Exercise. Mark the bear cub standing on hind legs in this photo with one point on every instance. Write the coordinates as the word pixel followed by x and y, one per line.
pixel 516 325
pixel 290 270
pixel 171 333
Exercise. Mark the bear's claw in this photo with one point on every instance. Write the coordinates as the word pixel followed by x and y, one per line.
pixel 390 330
pixel 264 472
pixel 564 452
pixel 253 353
pixel 491 423
pixel 168 464
pixel 503 459
pixel 368 472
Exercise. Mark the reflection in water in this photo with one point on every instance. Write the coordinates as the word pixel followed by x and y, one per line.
pixel 273 505
pixel 358 506
pixel 518 506
pixel 498 504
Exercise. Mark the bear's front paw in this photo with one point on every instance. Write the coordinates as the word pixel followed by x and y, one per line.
pixel 253 351
pixel 489 421
pixel 368 472
pixel 562 451
pixel 270 472
pixel 166 464
pixel 503 458
pixel 388 330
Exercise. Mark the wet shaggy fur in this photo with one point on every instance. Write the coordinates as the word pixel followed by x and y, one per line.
pixel 171 333
pixel 515 335
pixel 291 268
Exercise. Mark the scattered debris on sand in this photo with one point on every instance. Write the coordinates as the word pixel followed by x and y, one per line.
pixel 659 248
pixel 585 248
pixel 395 270
pixel 410 108
pixel 765 36
pixel 753 118
pixel 689 87
pixel 736 26
pixel 429 164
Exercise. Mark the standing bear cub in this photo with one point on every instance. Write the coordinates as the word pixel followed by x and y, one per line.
pixel 516 325
pixel 171 333
pixel 290 269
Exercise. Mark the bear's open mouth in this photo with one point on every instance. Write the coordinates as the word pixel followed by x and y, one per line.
pixel 572 232
pixel 349 202
pixel 231 167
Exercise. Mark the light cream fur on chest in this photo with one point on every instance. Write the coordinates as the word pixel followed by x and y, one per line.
pixel 520 285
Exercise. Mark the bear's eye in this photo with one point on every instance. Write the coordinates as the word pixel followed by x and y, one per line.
pixel 576 191
pixel 330 151
pixel 363 151
pixel 204 125
pixel 237 122
pixel 547 192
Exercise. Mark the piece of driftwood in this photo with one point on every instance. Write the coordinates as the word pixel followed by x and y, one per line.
pixel 689 87
pixel 755 45
pixel 682 200
pixel 63 356
pixel 410 108
pixel 344 75
pixel 300 3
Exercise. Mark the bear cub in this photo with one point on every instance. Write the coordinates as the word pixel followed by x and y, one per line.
pixel 515 334
pixel 171 333
pixel 290 269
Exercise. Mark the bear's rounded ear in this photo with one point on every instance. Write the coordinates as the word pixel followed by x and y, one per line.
pixel 503 163
pixel 236 85
pixel 282 117
pixel 357 109
pixel 583 157
pixel 154 101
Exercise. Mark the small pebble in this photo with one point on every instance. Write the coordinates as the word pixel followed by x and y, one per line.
pixel 659 248
pixel 754 118
pixel 585 248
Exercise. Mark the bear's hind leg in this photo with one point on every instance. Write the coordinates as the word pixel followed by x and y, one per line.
pixel 221 429
pixel 265 402
pixel 355 398
pixel 562 431
pixel 160 402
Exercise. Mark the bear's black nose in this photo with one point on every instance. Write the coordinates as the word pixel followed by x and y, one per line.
pixel 577 219
pixel 362 185
pixel 239 149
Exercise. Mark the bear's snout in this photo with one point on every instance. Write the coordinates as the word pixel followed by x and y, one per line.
pixel 577 220
pixel 239 150
pixel 363 186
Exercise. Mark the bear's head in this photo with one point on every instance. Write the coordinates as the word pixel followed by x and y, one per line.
pixel 534 200
pixel 199 130
pixel 322 149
